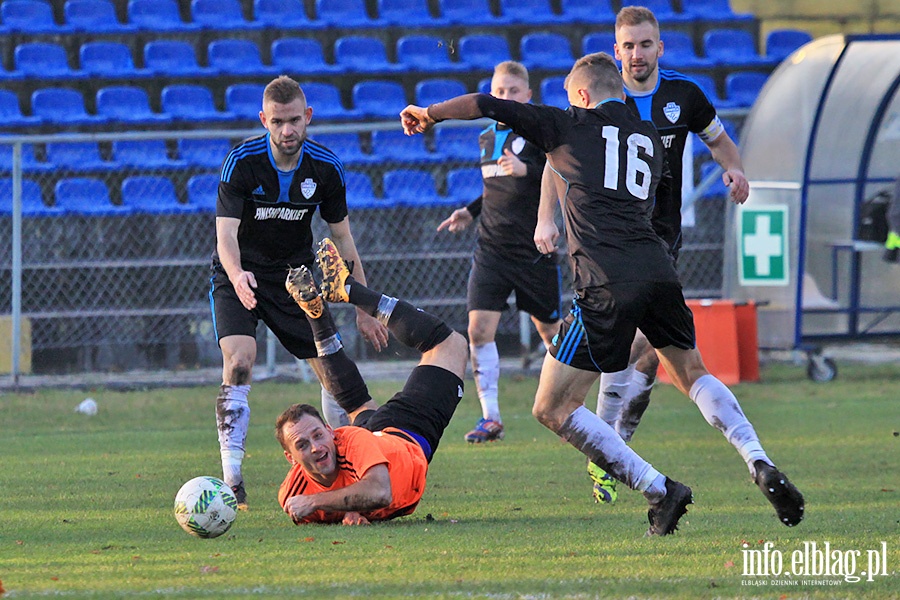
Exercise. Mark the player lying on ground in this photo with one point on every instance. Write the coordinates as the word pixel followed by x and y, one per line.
pixel 375 468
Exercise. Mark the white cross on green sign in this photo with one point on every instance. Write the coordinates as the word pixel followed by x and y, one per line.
pixel 763 245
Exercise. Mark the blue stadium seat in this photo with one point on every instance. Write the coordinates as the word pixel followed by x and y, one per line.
pixel 301 55
pixel 77 156
pixel 11 113
pixel 244 99
pixel 157 16
pixel 128 104
pixel 221 15
pixel 531 12
pixel 598 42
pixel 665 13
pixel 30 17
pixel 362 54
pixel 732 48
pixel 347 147
pixel 483 51
pixel 207 153
pixel 394 145
pixel 359 191
pixel 595 12
pixel 32 199
pixel 189 102
pixel 344 13
pixel 62 106
pixel 545 50
pixel 283 14
pixel 412 188
pixel 743 87
pixel 708 85
pixel 109 59
pixel 86 196
pixel 426 53
pixel 458 143
pixel 553 94
pixel 45 60
pixel 203 191
pixel 325 98
pixel 237 57
pixel 144 154
pixel 30 164
pixel 712 10
pixel 94 16
pixel 152 194
pixel 781 43
pixel 173 58
pixel 406 12
pixel 465 184
pixel 430 91
pixel 484 86
pixel 379 99
pixel 470 12
pixel 679 53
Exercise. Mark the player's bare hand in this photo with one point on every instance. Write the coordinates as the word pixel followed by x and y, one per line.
pixel 372 330
pixel 457 221
pixel 739 187
pixel 510 164
pixel 244 284
pixel 545 236
pixel 299 506
pixel 415 119
pixel 354 518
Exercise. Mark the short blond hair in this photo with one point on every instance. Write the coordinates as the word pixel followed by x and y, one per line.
pixel 630 16
pixel 511 67
pixel 601 72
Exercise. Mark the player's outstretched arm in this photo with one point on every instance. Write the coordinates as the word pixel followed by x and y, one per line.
pixel 372 491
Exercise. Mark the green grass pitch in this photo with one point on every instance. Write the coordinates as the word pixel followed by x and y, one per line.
pixel 86 502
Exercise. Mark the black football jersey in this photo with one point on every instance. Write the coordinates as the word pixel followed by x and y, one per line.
pixel 276 207
pixel 509 204
pixel 610 163
pixel 677 106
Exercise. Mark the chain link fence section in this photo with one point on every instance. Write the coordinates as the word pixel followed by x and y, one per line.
pixel 117 232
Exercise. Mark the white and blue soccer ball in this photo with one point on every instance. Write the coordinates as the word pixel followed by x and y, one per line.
pixel 205 507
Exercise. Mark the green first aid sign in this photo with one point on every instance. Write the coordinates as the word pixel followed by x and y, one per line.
pixel 763 245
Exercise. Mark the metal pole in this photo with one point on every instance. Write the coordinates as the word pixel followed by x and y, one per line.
pixel 16 260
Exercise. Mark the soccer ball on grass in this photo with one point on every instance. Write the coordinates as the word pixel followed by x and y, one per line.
pixel 205 507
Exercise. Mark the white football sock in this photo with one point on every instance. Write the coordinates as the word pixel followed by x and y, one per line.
pixel 721 409
pixel 613 388
pixel 634 404
pixel 232 420
pixel 332 411
pixel 594 438
pixel 486 369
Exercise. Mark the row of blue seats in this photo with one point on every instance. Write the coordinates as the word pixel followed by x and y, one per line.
pixel 372 99
pixel 90 196
pixel 95 16
pixel 154 194
pixel 362 54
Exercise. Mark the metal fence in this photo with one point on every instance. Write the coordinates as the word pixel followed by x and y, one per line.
pixel 106 239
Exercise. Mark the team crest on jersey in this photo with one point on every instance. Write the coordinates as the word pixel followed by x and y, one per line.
pixel 517 145
pixel 308 188
pixel 672 112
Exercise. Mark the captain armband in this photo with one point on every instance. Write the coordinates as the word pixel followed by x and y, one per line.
pixel 712 131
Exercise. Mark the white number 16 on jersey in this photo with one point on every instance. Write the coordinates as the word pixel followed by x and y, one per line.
pixel 637 171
